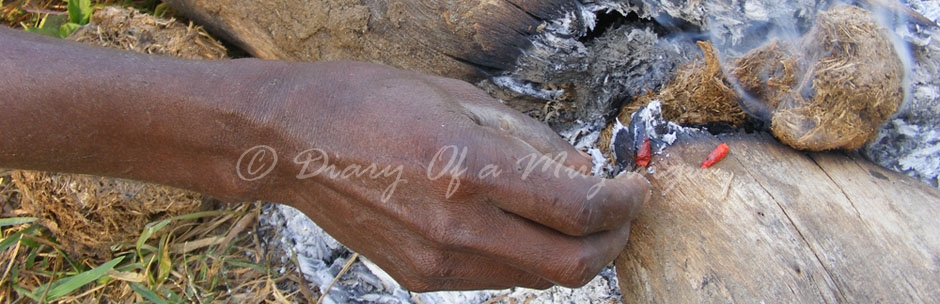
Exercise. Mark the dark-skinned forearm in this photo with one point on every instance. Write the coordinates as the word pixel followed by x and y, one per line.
pixel 74 108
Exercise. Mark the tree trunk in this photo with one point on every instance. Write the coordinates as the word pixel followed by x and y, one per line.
pixel 460 39
pixel 770 224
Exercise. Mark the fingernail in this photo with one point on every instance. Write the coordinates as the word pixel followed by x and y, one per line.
pixel 629 174
pixel 585 154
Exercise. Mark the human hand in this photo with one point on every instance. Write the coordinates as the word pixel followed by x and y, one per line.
pixel 431 225
pixel 436 182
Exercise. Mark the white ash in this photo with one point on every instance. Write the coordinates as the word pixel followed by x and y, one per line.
pixel 602 167
pixel 584 136
pixel 607 64
pixel 630 58
pixel 661 132
pixel 646 123
pixel 733 24
pixel 526 88
pixel 622 61
pixel 320 259
pixel 910 143
pixel 930 9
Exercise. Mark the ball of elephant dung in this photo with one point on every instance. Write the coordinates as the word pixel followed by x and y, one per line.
pixel 832 88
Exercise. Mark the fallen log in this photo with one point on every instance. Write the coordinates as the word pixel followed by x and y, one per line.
pixel 771 224
pixel 460 39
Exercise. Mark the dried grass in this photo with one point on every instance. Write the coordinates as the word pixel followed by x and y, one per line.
pixel 234 265
pixel 700 94
pixel 15 13
pixel 87 214
pixel 128 29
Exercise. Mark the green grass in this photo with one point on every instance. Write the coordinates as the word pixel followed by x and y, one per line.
pixel 50 16
pixel 55 23
pixel 200 257
pixel 193 258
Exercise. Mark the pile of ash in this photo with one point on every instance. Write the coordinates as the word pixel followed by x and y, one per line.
pixel 321 259
pixel 602 58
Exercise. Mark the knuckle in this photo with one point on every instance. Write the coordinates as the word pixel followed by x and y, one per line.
pixel 451 232
pixel 579 269
pixel 507 124
pixel 434 266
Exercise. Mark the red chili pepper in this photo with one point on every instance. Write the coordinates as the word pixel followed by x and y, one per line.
pixel 716 156
pixel 643 154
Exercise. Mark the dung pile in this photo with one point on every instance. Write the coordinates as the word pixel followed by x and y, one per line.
pixel 699 94
pixel 88 214
pixel 832 88
pixel 129 29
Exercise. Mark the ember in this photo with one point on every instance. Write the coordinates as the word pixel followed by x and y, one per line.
pixel 715 156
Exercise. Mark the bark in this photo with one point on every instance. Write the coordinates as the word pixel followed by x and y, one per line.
pixel 772 224
pixel 460 39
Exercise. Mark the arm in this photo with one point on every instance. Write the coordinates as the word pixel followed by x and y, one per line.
pixel 75 108
pixel 362 149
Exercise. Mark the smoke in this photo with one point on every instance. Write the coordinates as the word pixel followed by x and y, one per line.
pixel 608 52
pixel 910 142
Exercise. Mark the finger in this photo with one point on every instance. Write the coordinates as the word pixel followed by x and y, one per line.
pixel 541 190
pixel 536 134
pixel 467 271
pixel 439 261
pixel 454 284
pixel 492 239
pixel 488 112
pixel 561 259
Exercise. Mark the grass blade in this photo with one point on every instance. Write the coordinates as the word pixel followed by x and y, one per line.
pixel 164 263
pixel 48 25
pixel 79 11
pixel 16 237
pixel 201 214
pixel 10 221
pixel 247 264
pixel 67 285
pixel 149 230
pixel 67 29
pixel 148 294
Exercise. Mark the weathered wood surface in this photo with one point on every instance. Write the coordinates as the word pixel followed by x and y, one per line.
pixel 770 224
pixel 459 39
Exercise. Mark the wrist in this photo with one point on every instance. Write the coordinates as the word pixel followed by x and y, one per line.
pixel 81 109
pixel 264 120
